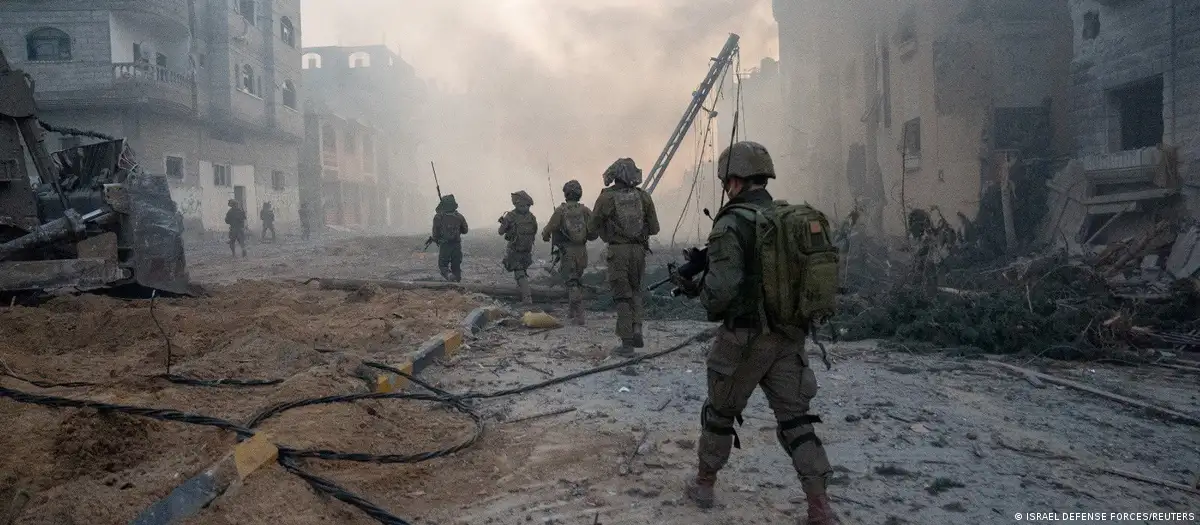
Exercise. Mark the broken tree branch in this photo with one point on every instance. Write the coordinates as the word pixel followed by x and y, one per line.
pixel 1150 480
pixel 1166 412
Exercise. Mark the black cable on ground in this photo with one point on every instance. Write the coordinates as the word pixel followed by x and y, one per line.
pixel 333 489
pixel 162 414
pixel 190 381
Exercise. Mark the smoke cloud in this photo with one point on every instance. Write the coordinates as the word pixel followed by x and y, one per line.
pixel 515 85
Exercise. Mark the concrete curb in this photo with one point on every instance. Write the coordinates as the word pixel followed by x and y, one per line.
pixel 199 491
pixel 443 345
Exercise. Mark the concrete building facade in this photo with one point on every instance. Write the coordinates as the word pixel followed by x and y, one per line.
pixel 913 104
pixel 206 91
pixel 1135 85
pixel 360 146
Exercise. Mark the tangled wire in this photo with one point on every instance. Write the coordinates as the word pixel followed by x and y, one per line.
pixel 289 458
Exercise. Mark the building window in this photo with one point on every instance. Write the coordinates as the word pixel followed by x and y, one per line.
pixel 349 141
pixel 48 44
pixel 278 181
pixel 174 166
pixel 248 83
pixel 289 94
pixel 312 61
pixel 246 8
pixel 912 145
pixel 287 32
pixel 69 142
pixel 1139 109
pixel 360 59
pixel 222 176
pixel 368 154
pixel 1091 25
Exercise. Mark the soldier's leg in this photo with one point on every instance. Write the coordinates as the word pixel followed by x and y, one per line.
pixel 622 292
pixel 637 273
pixel 574 263
pixel 443 263
pixel 734 370
pixel 523 285
pixel 456 257
pixel 790 386
pixel 232 241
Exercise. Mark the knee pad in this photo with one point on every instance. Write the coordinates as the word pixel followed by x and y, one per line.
pixel 790 445
pixel 707 416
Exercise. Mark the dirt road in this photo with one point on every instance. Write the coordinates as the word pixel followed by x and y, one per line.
pixel 923 439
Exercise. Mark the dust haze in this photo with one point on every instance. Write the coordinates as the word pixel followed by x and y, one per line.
pixel 518 86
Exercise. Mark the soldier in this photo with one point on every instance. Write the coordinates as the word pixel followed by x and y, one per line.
pixel 305 217
pixel 752 347
pixel 624 217
pixel 568 231
pixel 267 216
pixel 519 228
pixel 236 219
pixel 448 228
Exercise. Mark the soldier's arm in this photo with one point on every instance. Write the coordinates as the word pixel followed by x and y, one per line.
pixel 436 222
pixel 503 224
pixel 726 268
pixel 553 225
pixel 651 215
pixel 596 220
pixel 463 221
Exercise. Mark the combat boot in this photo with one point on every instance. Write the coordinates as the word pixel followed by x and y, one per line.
pixel 577 314
pixel 637 341
pixel 700 489
pixel 625 350
pixel 820 511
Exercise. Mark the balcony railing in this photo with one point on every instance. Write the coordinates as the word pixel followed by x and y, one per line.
pixel 143 72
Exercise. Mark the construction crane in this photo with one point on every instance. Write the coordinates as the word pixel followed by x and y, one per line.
pixel 719 65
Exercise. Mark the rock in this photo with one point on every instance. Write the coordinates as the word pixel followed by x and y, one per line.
pixel 851 418
pixel 785 508
pixel 685 444
pixel 972 436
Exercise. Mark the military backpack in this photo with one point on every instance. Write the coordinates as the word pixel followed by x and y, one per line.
pixel 630 220
pixel 574 223
pixel 798 261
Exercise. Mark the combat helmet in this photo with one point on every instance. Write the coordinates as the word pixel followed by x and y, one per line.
pixel 521 198
pixel 233 202
pixel 744 160
pixel 447 204
pixel 623 170
pixel 572 190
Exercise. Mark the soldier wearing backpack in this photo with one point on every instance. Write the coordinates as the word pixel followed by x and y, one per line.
pixel 624 217
pixel 448 228
pixel 567 229
pixel 772 272
pixel 519 228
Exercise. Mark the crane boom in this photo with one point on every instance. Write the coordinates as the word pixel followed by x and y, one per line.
pixel 719 65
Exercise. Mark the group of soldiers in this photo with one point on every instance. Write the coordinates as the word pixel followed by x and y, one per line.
pixel 236 219
pixel 623 217
pixel 760 343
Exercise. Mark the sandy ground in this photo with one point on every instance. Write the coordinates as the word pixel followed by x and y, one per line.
pixel 923 439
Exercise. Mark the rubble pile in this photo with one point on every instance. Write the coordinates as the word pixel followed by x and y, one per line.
pixel 1131 300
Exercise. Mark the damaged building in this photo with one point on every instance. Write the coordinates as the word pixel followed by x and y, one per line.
pixel 359 137
pixel 205 91
pixel 1135 112
pixel 922 103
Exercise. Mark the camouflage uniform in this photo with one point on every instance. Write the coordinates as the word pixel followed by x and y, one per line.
pixel 519 228
pixel 624 217
pixel 743 356
pixel 236 219
pixel 448 228
pixel 567 230
pixel 267 216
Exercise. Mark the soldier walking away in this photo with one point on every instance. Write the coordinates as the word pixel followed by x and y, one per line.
pixel 624 217
pixel 448 228
pixel 267 216
pixel 519 228
pixel 771 270
pixel 236 219
pixel 567 230
pixel 305 217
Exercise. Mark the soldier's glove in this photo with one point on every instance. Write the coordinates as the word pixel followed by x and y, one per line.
pixel 683 286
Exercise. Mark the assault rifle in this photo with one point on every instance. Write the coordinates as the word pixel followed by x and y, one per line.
pixel 437 185
pixel 695 263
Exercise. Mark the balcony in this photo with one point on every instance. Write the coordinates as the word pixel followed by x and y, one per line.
pixel 173 10
pixel 75 86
